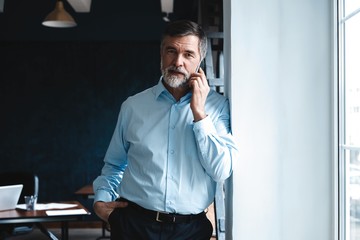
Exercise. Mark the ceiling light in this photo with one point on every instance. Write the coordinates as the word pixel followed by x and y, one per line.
pixel 80 6
pixel 59 17
pixel 167 6
pixel 2 5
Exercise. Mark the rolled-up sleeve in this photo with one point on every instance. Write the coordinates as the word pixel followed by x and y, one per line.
pixel 217 147
pixel 105 186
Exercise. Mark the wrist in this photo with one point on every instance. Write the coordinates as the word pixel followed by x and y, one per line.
pixel 199 116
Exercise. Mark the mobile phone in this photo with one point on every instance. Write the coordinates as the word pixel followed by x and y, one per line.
pixel 201 65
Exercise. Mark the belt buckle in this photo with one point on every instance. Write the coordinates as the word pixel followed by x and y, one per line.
pixel 158 217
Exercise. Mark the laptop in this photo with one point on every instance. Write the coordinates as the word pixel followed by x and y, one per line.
pixel 9 196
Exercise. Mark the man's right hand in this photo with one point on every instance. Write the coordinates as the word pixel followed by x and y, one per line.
pixel 104 209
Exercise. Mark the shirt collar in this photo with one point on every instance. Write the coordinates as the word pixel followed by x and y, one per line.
pixel 160 88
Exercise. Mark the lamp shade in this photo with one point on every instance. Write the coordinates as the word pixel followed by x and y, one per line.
pixel 2 5
pixel 59 17
pixel 167 6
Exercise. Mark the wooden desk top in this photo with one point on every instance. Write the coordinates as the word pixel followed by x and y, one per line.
pixel 23 216
pixel 86 190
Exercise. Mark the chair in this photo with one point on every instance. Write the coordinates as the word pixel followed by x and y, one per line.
pixel 30 183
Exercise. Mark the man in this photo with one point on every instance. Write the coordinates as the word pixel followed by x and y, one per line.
pixel 171 144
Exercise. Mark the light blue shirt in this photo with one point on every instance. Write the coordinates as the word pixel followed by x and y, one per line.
pixel 162 160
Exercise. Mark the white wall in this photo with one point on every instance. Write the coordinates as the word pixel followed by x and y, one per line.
pixel 279 62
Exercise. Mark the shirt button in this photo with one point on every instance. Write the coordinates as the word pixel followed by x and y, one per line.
pixel 172 151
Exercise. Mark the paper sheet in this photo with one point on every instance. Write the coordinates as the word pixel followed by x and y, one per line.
pixel 66 212
pixel 46 206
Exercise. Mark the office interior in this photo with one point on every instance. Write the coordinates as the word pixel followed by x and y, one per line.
pixel 61 90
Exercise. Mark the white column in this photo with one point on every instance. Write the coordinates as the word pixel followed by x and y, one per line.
pixel 278 57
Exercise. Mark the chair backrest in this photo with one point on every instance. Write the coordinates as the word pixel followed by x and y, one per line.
pixel 28 179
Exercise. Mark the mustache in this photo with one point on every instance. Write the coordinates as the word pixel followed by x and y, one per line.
pixel 178 70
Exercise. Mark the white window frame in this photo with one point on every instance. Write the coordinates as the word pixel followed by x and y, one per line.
pixel 335 103
pixel 342 222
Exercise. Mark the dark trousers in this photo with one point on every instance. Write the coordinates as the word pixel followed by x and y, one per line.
pixel 131 224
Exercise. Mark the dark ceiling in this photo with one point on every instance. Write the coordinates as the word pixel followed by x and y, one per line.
pixel 109 20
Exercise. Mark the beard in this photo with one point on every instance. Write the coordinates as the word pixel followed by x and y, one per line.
pixel 172 78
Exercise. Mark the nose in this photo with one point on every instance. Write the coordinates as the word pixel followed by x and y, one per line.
pixel 178 60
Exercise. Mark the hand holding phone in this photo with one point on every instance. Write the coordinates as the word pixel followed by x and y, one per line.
pixel 200 89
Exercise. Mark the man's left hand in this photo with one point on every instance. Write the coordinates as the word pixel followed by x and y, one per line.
pixel 200 89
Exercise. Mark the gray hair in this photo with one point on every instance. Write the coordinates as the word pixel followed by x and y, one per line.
pixel 183 28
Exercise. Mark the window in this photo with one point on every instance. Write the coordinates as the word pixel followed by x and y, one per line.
pixel 349 118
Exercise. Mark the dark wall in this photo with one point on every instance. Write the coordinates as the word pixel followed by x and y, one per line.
pixel 59 104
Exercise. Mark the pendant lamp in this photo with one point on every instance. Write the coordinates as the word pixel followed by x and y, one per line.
pixel 59 17
pixel 167 6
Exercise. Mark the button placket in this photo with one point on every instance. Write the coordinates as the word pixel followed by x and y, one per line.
pixel 171 187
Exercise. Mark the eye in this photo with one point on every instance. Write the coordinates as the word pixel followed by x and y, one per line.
pixel 170 51
pixel 189 55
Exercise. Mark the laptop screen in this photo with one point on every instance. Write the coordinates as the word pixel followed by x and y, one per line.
pixel 9 196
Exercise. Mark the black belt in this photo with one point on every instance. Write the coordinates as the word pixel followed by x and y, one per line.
pixel 164 216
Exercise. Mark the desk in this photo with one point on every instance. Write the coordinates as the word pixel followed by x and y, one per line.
pixel 88 193
pixel 39 216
